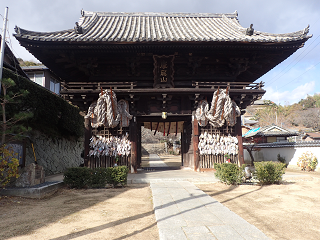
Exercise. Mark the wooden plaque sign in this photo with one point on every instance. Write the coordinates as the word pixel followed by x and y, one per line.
pixel 163 71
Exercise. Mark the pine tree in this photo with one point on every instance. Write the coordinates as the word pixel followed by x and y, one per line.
pixel 12 128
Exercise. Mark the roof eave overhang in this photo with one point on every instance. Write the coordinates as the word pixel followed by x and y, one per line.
pixel 220 43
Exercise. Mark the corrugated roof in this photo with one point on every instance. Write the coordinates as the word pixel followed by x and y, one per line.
pixel 159 27
pixel 251 132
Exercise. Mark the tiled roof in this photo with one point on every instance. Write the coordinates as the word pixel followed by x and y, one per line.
pixel 288 144
pixel 159 27
pixel 269 131
pixel 313 135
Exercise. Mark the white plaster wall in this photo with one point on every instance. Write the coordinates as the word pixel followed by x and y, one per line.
pixel 291 154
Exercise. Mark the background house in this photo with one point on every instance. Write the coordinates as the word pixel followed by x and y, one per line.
pixel 270 134
pixel 43 76
pixel 272 140
pixel 315 136
pixel 247 124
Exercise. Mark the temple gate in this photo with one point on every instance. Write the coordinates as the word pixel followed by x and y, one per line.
pixel 167 67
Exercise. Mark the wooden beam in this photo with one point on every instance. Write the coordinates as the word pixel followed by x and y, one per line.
pixel 150 91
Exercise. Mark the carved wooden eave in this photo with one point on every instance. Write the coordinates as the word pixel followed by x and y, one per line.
pixel 242 92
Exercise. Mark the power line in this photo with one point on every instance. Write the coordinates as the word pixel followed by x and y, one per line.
pixel 305 49
pixel 277 76
pixel 300 75
pixel 11 46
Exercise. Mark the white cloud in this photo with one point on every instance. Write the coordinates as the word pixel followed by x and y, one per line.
pixel 310 67
pixel 290 97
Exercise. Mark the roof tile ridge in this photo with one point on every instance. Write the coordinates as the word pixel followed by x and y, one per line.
pixel 21 31
pixel 241 29
pixel 300 34
pixel 233 25
pixel 91 30
pixel 117 29
pixel 161 14
pixel 88 25
pixel 201 30
pixel 238 25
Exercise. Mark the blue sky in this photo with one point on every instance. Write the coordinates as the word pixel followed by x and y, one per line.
pixel 289 82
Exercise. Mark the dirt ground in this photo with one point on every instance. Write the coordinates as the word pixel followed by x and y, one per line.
pixel 120 213
pixel 287 211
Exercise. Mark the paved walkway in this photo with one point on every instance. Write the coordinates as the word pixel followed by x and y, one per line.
pixel 183 211
pixel 155 161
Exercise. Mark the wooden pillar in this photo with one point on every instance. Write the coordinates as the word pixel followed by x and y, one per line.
pixel 195 144
pixel 238 130
pixel 182 152
pixel 139 145
pixel 87 136
pixel 134 145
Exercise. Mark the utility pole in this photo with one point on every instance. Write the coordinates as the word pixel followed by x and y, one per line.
pixel 3 43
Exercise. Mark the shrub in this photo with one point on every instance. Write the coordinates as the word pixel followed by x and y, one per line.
pixel 282 159
pixel 229 173
pixel 82 177
pixel 116 175
pixel 98 178
pixel 78 177
pixel 269 172
pixel 8 165
pixel 307 161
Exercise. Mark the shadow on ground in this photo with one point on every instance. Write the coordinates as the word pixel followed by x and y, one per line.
pixel 25 216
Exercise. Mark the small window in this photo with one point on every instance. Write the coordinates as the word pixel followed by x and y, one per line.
pixel 54 86
pixel 37 77
pixel 281 139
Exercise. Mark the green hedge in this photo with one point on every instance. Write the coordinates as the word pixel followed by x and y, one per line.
pixel 229 173
pixel 82 177
pixel 51 114
pixel 78 177
pixel 98 178
pixel 117 175
pixel 269 172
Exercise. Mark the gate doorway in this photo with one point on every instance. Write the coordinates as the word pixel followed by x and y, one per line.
pixel 164 140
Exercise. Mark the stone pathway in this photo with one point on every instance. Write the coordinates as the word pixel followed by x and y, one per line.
pixel 155 161
pixel 183 211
